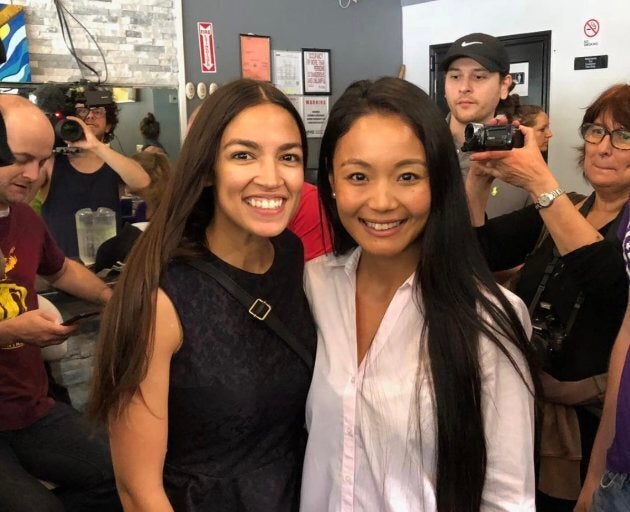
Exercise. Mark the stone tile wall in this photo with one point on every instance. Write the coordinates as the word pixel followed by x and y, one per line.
pixel 137 38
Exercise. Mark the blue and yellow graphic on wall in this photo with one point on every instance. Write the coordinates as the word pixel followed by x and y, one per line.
pixel 17 68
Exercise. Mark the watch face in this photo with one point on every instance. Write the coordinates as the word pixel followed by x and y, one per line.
pixel 545 200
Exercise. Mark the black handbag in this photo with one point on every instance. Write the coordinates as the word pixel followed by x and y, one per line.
pixel 257 308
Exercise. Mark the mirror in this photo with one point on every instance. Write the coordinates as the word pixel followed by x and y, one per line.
pixel 162 102
pixel 134 104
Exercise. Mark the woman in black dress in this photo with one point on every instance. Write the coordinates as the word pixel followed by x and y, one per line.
pixel 204 400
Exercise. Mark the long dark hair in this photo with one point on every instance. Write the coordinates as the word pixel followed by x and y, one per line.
pixel 177 229
pixel 453 283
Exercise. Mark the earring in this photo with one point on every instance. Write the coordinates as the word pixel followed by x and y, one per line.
pixel 334 196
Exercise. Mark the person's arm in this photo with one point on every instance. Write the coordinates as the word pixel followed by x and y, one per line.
pixel 576 392
pixel 507 240
pixel 606 430
pixel 130 171
pixel 77 280
pixel 478 187
pixel 526 168
pixel 138 436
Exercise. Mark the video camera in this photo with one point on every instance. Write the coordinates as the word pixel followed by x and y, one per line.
pixel 479 137
pixel 59 102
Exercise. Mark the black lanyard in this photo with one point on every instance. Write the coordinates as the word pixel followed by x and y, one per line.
pixel 611 235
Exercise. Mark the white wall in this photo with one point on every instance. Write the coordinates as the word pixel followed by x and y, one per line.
pixel 570 91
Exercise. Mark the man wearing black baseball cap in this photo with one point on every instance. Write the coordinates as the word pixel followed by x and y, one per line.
pixel 486 50
pixel 477 78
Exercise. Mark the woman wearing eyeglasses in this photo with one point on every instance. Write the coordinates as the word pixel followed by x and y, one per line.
pixel 91 178
pixel 573 279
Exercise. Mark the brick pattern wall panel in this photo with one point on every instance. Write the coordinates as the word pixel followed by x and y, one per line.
pixel 137 38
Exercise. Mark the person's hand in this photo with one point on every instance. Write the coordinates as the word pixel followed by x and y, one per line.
pixel 522 167
pixel 571 393
pixel 553 389
pixel 89 142
pixel 479 176
pixel 39 328
pixel 585 498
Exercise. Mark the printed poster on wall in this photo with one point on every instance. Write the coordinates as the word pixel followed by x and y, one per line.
pixel 17 68
pixel 520 76
pixel 315 115
pixel 316 71
pixel 287 71
pixel 205 32
pixel 256 57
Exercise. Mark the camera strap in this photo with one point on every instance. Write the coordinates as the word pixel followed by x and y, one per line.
pixel 541 288
pixel 611 234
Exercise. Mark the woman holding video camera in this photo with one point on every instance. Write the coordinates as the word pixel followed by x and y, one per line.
pixel 573 279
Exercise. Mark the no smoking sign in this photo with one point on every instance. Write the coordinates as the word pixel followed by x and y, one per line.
pixel 591 28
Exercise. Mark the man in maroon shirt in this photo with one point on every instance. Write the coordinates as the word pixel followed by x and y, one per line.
pixel 39 438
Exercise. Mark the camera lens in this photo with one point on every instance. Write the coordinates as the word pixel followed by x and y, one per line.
pixel 474 136
pixel 473 131
pixel 69 130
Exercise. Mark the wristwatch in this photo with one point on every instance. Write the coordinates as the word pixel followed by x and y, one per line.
pixel 546 199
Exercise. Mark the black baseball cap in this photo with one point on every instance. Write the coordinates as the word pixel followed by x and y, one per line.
pixel 486 50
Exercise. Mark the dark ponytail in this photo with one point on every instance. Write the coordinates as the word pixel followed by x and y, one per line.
pixel 150 127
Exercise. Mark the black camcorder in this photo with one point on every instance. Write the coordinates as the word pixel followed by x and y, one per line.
pixel 479 137
pixel 71 131
pixel 67 129
pixel 58 103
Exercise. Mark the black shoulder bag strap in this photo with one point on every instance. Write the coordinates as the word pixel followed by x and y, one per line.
pixel 611 235
pixel 258 308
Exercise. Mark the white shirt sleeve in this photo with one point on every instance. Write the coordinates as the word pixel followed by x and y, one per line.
pixel 508 412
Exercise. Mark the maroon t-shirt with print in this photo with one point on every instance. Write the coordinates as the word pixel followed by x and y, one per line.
pixel 28 250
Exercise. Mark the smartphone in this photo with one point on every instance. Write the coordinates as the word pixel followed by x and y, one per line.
pixel 81 316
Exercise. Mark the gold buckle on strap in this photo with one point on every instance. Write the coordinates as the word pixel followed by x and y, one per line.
pixel 260 309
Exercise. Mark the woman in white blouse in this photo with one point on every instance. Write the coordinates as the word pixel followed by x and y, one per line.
pixel 422 398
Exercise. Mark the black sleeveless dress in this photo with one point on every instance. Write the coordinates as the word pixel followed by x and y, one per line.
pixel 237 391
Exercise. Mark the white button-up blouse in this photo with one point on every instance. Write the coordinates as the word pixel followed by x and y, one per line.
pixel 365 451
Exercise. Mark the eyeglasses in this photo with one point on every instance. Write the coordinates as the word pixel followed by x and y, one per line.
pixel 83 112
pixel 595 133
